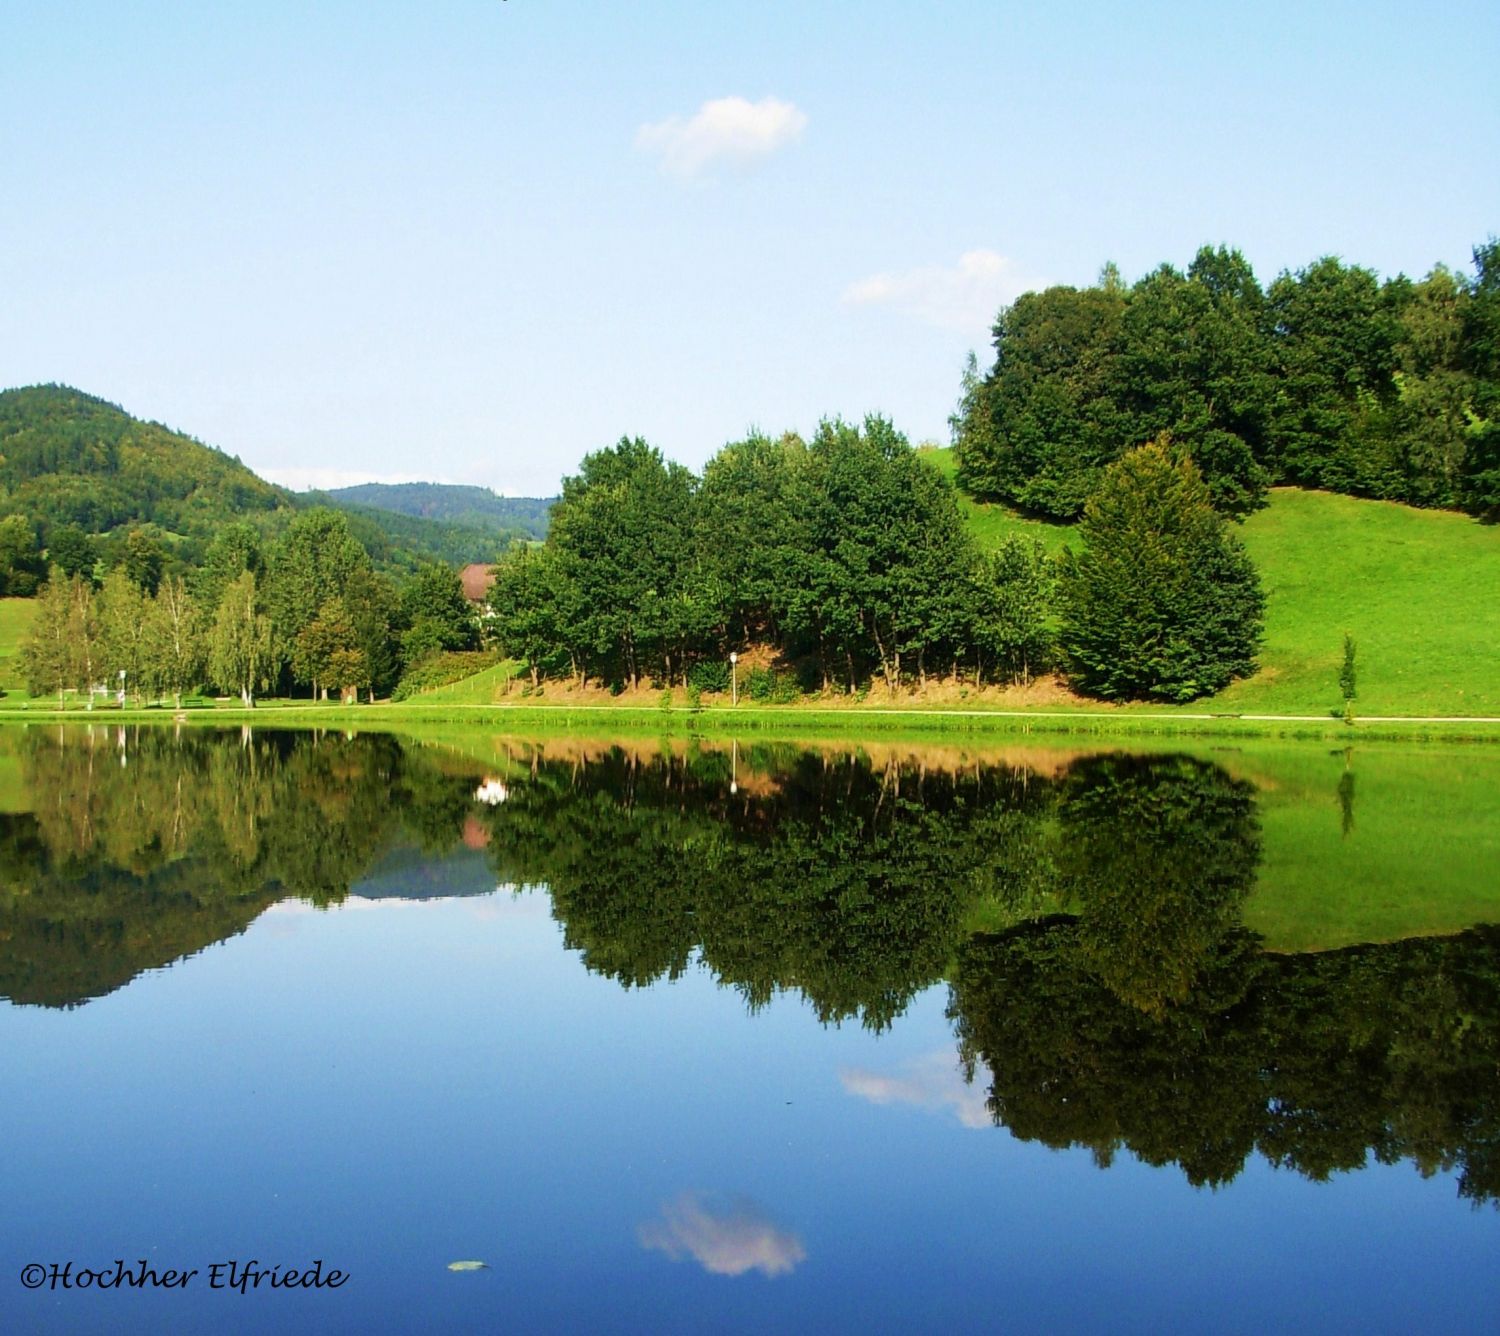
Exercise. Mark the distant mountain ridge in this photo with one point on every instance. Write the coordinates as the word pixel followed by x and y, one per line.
pixel 71 458
pixel 477 507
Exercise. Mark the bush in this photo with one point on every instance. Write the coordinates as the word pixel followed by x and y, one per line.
pixel 441 670
pixel 770 687
pixel 1164 602
pixel 709 675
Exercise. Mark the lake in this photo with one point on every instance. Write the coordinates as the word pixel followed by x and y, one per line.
pixel 729 1037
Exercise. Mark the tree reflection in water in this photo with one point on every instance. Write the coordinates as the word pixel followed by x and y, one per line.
pixel 1112 999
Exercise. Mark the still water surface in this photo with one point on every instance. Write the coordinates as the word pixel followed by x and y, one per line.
pixel 748 1039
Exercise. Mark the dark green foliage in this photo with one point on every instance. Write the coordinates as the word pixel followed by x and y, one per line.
pixel 1195 362
pixel 1163 603
pixel 1156 854
pixel 849 557
pixel 710 675
pixel 1330 379
pixel 1317 1062
pixel 1039 428
pixel 623 534
pixel 1336 352
pixel 1011 608
pixel 888 553
pixel 1480 485
pixel 78 465
pixel 846 882
pixel 436 614
pixel 399 543
pixel 69 458
pixel 768 687
pixel 319 559
pixel 22 569
pixel 144 558
pixel 71 550
pixel 1347 679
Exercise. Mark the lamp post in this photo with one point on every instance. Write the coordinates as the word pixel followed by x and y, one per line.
pixel 734 678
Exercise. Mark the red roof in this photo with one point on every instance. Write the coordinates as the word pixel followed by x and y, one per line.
pixel 477 580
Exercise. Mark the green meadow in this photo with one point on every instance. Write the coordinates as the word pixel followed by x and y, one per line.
pixel 1416 588
pixel 16 616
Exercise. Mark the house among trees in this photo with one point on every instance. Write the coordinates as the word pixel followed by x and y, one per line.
pixel 477 578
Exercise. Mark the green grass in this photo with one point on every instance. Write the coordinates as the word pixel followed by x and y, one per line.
pixel 483 688
pixel 1416 588
pixel 16 616
pixel 1417 857
pixel 991 524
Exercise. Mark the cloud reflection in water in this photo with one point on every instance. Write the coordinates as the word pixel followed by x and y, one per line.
pixel 725 1236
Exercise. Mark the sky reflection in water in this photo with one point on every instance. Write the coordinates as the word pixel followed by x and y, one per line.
pixel 715 1047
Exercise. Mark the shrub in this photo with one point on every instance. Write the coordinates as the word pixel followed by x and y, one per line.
pixel 769 687
pixel 709 675
pixel 1164 602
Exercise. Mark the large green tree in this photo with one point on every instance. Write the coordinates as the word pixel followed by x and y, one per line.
pixel 1195 360
pixel 1163 602
pixel 889 552
pixel 242 655
pixel 316 559
pixel 1044 422
pixel 437 615
pixel 623 535
pixel 21 568
pixel 175 640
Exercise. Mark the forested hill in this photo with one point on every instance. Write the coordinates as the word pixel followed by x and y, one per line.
pixel 77 467
pixel 69 458
pixel 476 507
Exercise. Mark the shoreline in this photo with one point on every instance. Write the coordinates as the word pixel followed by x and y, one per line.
pixel 790 721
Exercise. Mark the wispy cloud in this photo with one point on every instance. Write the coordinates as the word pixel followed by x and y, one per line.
pixel 726 130
pixel 725 1238
pixel 933 1082
pixel 963 297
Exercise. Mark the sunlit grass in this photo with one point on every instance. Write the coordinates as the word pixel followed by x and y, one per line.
pixel 16 616
pixel 1416 588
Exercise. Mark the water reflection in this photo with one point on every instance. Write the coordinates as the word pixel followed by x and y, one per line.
pixel 1316 1061
pixel 1084 910
pixel 725 1236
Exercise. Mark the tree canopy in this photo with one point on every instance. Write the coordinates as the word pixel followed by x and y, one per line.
pixel 1163 601
pixel 1330 378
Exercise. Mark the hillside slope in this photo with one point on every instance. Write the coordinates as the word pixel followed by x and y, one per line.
pixel 473 507
pixel 67 457
pixel 1416 589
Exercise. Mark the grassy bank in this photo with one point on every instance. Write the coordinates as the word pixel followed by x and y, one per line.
pixel 16 616
pixel 807 723
pixel 1414 588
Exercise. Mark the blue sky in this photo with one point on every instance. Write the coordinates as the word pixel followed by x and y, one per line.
pixel 472 241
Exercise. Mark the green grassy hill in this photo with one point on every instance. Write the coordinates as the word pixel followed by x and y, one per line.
pixel 1416 589
pixel 16 616
pixel 70 458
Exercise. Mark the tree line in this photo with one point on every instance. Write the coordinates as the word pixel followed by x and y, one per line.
pixel 1329 378
pixel 307 612
pixel 849 556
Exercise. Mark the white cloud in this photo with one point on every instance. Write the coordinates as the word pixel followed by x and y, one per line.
pixel 727 129
pixel 724 1238
pixel 933 1082
pixel 965 297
